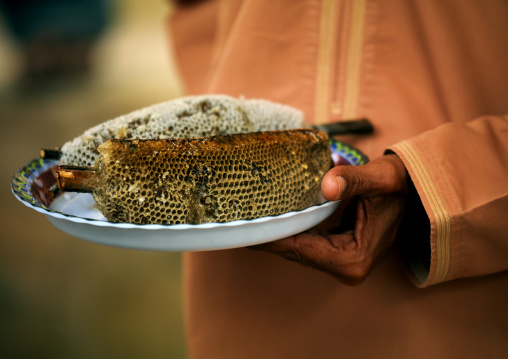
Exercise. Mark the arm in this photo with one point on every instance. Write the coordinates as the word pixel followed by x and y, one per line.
pixel 460 173
pixel 455 191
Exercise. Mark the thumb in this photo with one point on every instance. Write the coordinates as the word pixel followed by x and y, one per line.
pixel 343 182
pixel 381 176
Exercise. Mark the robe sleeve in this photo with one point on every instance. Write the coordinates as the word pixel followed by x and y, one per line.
pixel 460 174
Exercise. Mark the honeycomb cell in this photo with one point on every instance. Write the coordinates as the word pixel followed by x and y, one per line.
pixel 257 177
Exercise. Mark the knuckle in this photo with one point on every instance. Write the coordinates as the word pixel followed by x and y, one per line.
pixel 388 183
pixel 355 272
pixel 292 252
pixel 391 176
pixel 358 183
pixel 291 256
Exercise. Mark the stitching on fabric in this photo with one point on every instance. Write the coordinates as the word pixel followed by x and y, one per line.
pixel 443 245
pixel 402 147
pixel 459 216
pixel 438 208
pixel 354 58
pixel 308 67
pixel 369 53
pixel 329 9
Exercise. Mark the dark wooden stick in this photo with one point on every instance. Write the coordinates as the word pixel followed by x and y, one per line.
pixel 51 153
pixel 349 127
pixel 76 178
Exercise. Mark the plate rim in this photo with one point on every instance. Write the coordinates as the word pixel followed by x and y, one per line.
pixel 21 190
pixel 184 226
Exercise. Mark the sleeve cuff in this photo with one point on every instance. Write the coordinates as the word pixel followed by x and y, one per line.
pixel 425 236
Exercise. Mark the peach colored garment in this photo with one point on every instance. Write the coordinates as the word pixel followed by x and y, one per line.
pixel 432 76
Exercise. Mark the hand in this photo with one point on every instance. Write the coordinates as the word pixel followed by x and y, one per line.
pixel 376 193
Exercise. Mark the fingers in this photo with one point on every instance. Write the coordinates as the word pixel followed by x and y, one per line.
pixel 377 191
pixel 338 255
pixel 333 186
pixel 384 175
pixel 349 256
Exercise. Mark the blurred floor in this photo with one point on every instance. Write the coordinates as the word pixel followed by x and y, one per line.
pixel 61 297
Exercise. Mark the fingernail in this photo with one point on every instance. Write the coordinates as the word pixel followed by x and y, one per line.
pixel 341 182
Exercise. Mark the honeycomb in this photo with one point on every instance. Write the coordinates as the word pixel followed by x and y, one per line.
pixel 186 117
pixel 215 179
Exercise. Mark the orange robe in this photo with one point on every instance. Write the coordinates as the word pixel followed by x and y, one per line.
pixel 432 76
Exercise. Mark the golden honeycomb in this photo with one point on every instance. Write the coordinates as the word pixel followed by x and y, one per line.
pixel 215 179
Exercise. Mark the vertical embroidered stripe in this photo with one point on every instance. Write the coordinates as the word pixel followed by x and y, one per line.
pixel 353 60
pixel 443 221
pixel 327 37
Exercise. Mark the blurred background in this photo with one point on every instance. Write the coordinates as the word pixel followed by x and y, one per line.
pixel 61 297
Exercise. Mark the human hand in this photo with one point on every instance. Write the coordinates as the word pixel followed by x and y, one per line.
pixel 376 192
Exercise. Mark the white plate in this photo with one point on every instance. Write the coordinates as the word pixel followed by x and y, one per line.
pixel 75 214
pixel 181 237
